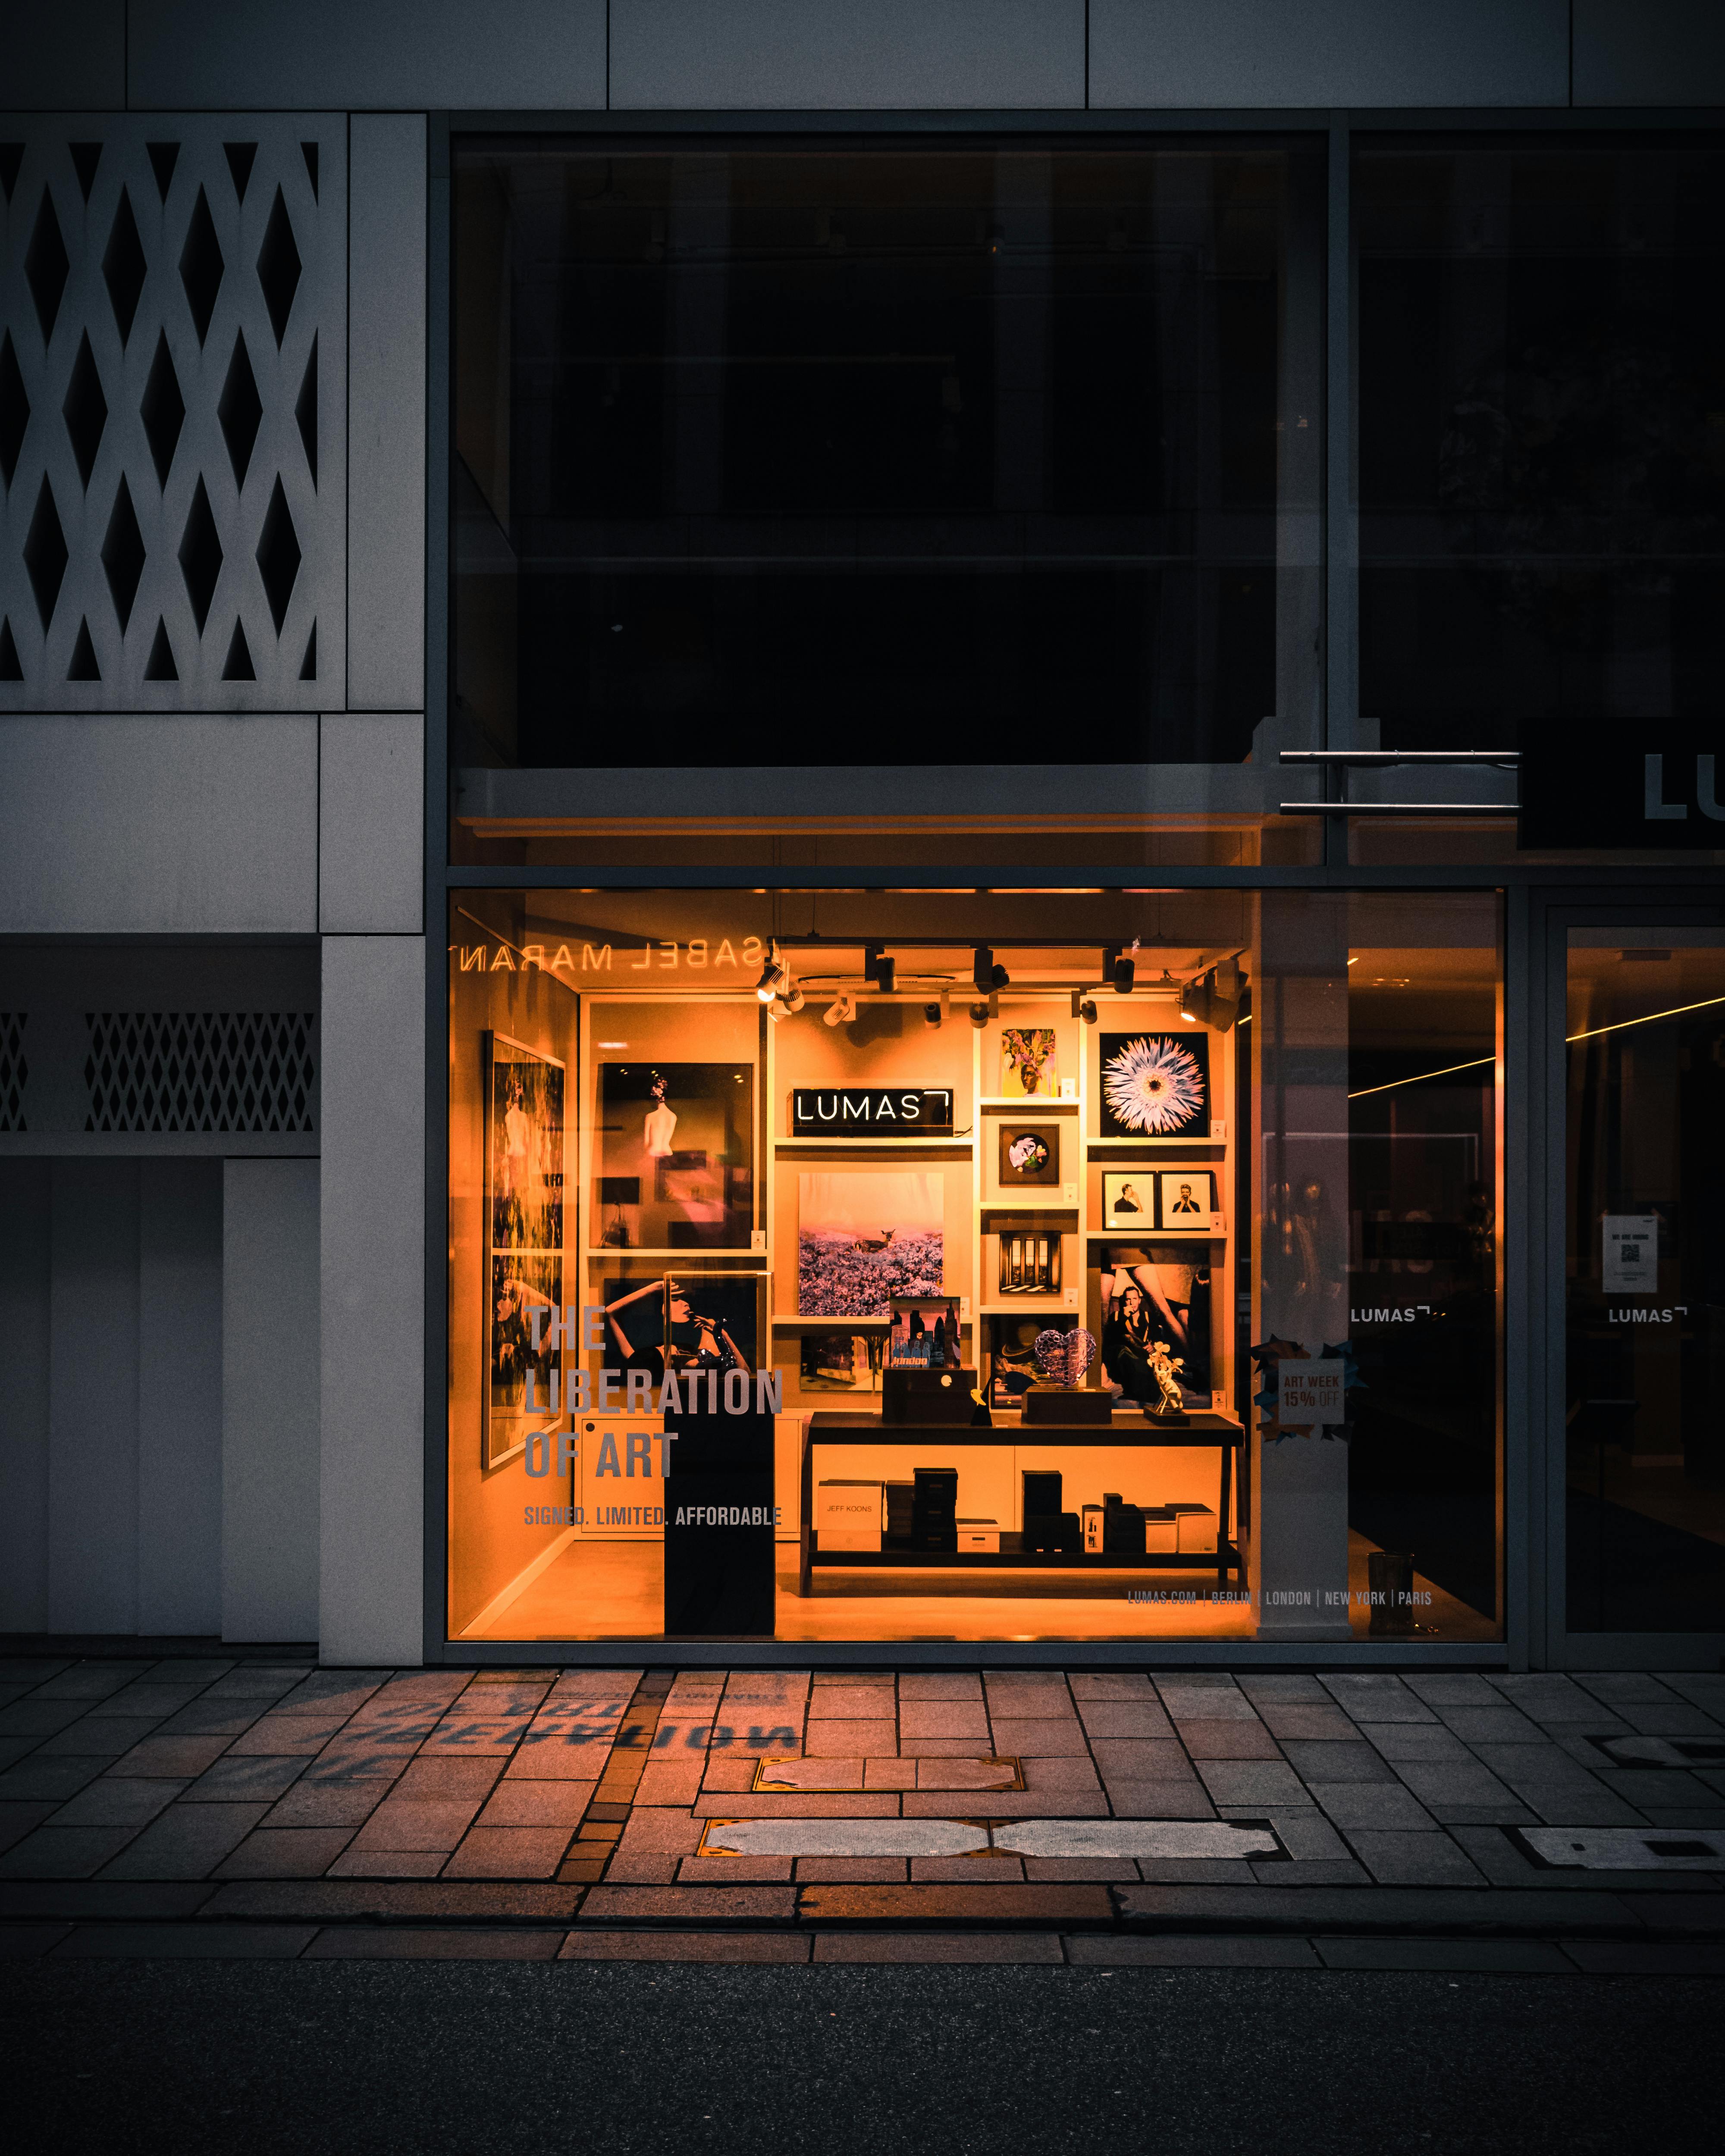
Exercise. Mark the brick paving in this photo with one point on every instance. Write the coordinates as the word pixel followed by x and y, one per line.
pixel 229 1805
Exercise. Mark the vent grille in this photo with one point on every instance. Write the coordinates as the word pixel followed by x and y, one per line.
pixel 14 1071
pixel 201 1070
pixel 172 527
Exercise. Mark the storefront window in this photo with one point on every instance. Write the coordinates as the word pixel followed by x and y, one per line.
pixel 914 458
pixel 1646 1282
pixel 1042 1264
pixel 1542 432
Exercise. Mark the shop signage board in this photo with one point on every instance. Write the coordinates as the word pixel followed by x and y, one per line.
pixel 1642 783
pixel 1310 1392
pixel 870 1111
pixel 1631 1252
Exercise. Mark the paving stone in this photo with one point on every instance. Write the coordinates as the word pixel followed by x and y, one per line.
pixel 465 1735
pixel 64 1852
pixel 840 1739
pixel 38 1777
pixel 17 1820
pixel 33 1669
pixel 1108 1684
pixel 508 1852
pixel 332 1691
pixel 187 1842
pixel 212 1717
pixel 14 1748
pixel 1501 1860
pixel 1702 1816
pixel 938 1684
pixel 1168 1798
pixel 1502 1724
pixel 1413 1860
pixel 264 1775
pixel 949 1870
pixel 1228 1740
pixel 1018 1947
pixel 290 1852
pixel 729 1871
pixel 686 1946
pixel 1676 1719
pixel 1206 1704
pixel 88 1680
pixel 1140 1759
pixel 404 1900
pixel 1262 1688
pixel 450 1780
pixel 1623 1687
pixel 615 1904
pixel 846 1837
pixel 863 1804
pixel 1092 1868
pixel 1649 1958
pixel 944 1718
pixel 1449 1911
pixel 1562 1792
pixel 422 1823
pixel 174 1758
pixel 536 1803
pixel 1680 1912
pixel 388 1863
pixel 1314 1871
pixel 1442 1688
pixel 1054 1780
pixel 1139 1838
pixel 1173 1950
pixel 1529 1956
pixel 1649 1788
pixel 1332 1760
pixel 1012 1902
pixel 1045 1739
pixel 853 1871
pixel 36 1899
pixel 938 1748
pixel 1021 1804
pixel 30 1942
pixel 737 1775
pixel 38 1717
pixel 149 1698
pixel 347 1803
pixel 376 1942
pixel 1140 1717
pixel 1371 1697
pixel 114 1801
pixel 1400 1741
pixel 932 1773
pixel 1302 1720
pixel 1701 1688
pixel 1547 1696
pixel 1372 1804
pixel 852 1703
pixel 1252 1782
pixel 302 1734
pixel 1302 1830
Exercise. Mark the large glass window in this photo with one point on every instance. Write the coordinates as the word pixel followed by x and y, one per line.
pixel 888 1266
pixel 1541 354
pixel 930 457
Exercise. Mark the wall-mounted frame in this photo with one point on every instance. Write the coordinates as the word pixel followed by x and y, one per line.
pixel 525 1191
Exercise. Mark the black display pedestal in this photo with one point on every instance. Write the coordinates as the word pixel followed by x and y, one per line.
pixel 719 1526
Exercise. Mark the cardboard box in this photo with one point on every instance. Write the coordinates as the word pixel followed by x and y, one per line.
pixel 979 1535
pixel 848 1515
pixel 1091 1515
pixel 1195 1526
pixel 1161 1530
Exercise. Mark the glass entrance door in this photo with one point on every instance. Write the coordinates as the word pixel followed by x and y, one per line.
pixel 1644 1404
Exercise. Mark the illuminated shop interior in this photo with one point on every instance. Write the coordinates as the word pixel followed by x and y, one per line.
pixel 1106 1143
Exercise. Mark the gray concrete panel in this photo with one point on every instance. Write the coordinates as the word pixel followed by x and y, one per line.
pixel 1245 53
pixel 269 1399
pixel 386 414
pixel 69 56
pixel 93 1398
pixel 413 55
pixel 180 1397
pixel 1650 52
pixel 825 54
pixel 373 1312
pixel 163 825
pixel 23 1395
pixel 372 824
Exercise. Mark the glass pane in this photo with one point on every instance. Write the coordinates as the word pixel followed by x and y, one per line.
pixel 828 457
pixel 1542 432
pixel 886 1266
pixel 1645 1268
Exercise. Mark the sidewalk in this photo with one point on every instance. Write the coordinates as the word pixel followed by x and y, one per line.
pixel 1441 1821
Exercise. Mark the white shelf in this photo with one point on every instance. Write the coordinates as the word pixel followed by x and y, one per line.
pixel 959 1143
pixel 1164 1145
pixel 1156 1234
pixel 842 1324
pixel 1031 1305
pixel 1030 1104
pixel 1029 1206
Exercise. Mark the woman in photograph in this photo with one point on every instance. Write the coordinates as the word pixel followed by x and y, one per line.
pixel 711 1349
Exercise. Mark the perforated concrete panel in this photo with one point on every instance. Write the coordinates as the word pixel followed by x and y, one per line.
pixel 172 413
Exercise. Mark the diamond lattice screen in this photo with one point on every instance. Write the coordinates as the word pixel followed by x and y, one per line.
pixel 173 365
pixel 14 1071
pixel 202 1071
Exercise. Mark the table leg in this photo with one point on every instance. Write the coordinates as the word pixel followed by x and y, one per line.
pixel 1223 1517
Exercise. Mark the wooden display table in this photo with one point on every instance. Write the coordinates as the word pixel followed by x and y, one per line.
pixel 1133 1432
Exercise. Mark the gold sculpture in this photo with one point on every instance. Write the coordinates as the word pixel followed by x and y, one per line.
pixel 1162 1367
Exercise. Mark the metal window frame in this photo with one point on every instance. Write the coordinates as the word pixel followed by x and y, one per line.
pixel 1535 898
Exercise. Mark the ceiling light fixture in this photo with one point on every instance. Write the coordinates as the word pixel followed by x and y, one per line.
pixel 841 1012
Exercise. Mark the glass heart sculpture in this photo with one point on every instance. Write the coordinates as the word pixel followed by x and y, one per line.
pixel 1064 1358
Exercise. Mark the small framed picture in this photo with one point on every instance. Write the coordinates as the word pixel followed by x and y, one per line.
pixel 1187 1198
pixel 1129 1199
pixel 1029 1154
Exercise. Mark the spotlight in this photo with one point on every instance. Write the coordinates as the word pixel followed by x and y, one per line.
pixel 979 1015
pixel 987 975
pixel 1083 1007
pixel 773 976
pixel 789 1001
pixel 1120 967
pixel 934 1015
pixel 840 1013
pixel 1195 1002
pixel 879 968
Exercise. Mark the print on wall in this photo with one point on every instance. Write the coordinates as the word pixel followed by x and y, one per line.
pixel 1154 1084
pixel 1188 1198
pixel 525 1236
pixel 1029 1065
pixel 682 1134
pixel 1129 1200
pixel 863 1237
pixel 1029 1154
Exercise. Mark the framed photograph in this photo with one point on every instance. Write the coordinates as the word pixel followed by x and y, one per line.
pixel 523 1093
pixel 1029 1261
pixel 1029 1154
pixel 866 1235
pixel 1029 1065
pixel 1154 1084
pixel 841 1361
pixel 524 1147
pixel 684 1135
pixel 1129 1199
pixel 684 1321
pixel 521 1282
pixel 1150 1293
pixel 1187 1197
pixel 925 1333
